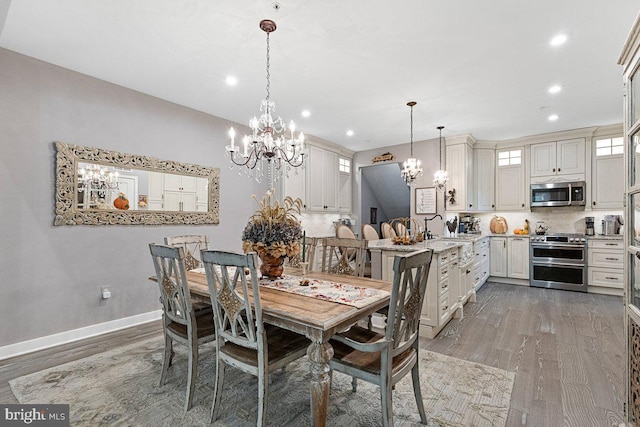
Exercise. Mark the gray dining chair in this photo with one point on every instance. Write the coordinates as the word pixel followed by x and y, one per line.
pixel 244 341
pixel 384 359
pixel 180 322
pixel 192 244
pixel 344 256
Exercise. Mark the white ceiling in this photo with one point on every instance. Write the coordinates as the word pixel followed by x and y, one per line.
pixel 480 67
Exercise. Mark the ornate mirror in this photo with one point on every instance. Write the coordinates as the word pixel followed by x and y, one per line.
pixel 100 187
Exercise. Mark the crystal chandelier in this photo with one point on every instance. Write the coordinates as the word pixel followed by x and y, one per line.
pixel 96 177
pixel 268 145
pixel 440 178
pixel 411 168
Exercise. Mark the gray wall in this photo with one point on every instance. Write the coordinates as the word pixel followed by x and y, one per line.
pixel 51 276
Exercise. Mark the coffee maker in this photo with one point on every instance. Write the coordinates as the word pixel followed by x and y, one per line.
pixel 589 229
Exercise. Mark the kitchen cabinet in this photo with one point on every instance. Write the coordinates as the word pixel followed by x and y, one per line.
pixel 605 271
pixel 170 192
pixel 607 190
pixel 511 194
pixel 459 164
pixel 484 169
pixel 294 185
pixel 518 257
pixel 498 257
pixel 481 265
pixel 156 191
pixel 322 180
pixel 344 185
pixel 561 159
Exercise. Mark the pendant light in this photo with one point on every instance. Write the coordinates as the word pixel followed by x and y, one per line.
pixel 440 178
pixel 411 168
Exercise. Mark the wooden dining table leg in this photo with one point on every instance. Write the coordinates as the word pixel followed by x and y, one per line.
pixel 319 352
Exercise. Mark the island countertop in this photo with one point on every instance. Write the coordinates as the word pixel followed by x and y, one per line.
pixel 439 245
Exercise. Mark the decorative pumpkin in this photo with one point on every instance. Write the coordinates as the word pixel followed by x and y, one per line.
pixel 498 225
pixel 121 202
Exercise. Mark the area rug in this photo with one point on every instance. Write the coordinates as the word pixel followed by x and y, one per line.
pixel 120 388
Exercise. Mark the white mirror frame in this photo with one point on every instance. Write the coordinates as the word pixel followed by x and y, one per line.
pixel 67 158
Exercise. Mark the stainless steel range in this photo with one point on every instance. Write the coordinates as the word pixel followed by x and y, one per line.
pixel 558 261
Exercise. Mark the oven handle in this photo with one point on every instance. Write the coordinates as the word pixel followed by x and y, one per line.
pixel 553 246
pixel 562 264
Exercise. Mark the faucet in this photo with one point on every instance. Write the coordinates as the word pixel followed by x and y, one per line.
pixel 426 228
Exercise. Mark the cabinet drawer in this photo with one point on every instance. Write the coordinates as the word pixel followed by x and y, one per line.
pixel 605 277
pixel 482 256
pixel 443 272
pixel 453 254
pixel 443 286
pixel 443 308
pixel 605 258
pixel 445 257
pixel 605 244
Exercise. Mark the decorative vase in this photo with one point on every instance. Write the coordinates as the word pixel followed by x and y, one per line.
pixel 272 266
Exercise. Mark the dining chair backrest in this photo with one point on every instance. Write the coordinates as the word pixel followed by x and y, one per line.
pixel 344 256
pixel 192 244
pixel 387 231
pixel 344 232
pixel 174 290
pixel 410 274
pixel 229 287
pixel 369 233
pixel 401 230
pixel 310 245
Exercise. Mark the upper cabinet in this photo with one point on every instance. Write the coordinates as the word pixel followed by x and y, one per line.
pixel 485 167
pixel 323 184
pixel 558 161
pixel 607 191
pixel 510 183
pixel 459 156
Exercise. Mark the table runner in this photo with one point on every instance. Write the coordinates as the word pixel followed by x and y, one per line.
pixel 356 296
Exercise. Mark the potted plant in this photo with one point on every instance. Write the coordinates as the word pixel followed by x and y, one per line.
pixel 274 232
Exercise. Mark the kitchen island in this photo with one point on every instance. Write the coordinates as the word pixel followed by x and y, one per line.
pixel 451 280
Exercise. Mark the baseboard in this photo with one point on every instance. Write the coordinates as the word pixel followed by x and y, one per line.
pixel 48 341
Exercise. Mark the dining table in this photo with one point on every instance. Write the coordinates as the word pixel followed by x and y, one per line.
pixel 315 318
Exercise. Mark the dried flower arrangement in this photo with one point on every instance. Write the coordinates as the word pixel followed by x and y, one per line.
pixel 274 229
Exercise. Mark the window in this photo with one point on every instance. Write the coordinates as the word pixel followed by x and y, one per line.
pixel 509 157
pixel 609 146
pixel 344 165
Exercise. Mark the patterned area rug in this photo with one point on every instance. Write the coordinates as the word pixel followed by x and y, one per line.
pixel 120 388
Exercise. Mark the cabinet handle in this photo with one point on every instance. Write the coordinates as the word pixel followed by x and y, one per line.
pixel 554 169
pixel 594 203
pixel 612 259
pixel 444 286
pixel 493 206
pixel 445 308
pixel 470 205
pixel 611 244
pixel 611 278
pixel 468 271
pixel 523 205
pixel 558 169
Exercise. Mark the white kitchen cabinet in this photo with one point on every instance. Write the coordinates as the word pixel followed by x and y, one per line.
pixel 481 265
pixel 605 271
pixel 170 192
pixel 156 191
pixel 459 164
pixel 485 173
pixel 518 257
pixel 559 158
pixel 607 190
pixel 182 201
pixel 498 256
pixel 293 185
pixel 344 185
pixel 322 180
pixel 511 193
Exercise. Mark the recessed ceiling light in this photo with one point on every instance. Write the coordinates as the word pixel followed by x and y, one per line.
pixel 555 89
pixel 349 132
pixel 558 40
pixel 553 117
pixel 231 80
pixel 305 113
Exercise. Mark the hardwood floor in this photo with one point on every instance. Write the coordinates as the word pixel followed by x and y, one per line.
pixel 566 348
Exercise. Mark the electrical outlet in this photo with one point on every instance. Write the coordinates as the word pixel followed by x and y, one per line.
pixel 106 293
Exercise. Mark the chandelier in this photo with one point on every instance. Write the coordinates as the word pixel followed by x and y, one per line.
pixel 96 177
pixel 441 177
pixel 411 168
pixel 271 142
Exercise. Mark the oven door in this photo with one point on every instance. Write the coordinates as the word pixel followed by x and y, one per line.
pixel 570 277
pixel 552 253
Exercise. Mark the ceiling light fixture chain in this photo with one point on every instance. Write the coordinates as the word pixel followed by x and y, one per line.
pixel 441 177
pixel 268 143
pixel 411 168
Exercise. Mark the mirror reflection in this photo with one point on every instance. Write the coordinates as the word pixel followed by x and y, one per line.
pixel 108 188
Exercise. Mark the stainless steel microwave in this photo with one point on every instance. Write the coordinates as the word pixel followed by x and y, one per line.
pixel 558 194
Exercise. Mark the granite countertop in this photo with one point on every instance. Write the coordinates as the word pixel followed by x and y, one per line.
pixel 438 245
pixel 607 237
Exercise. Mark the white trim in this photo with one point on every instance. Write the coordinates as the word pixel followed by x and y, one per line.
pixel 48 341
